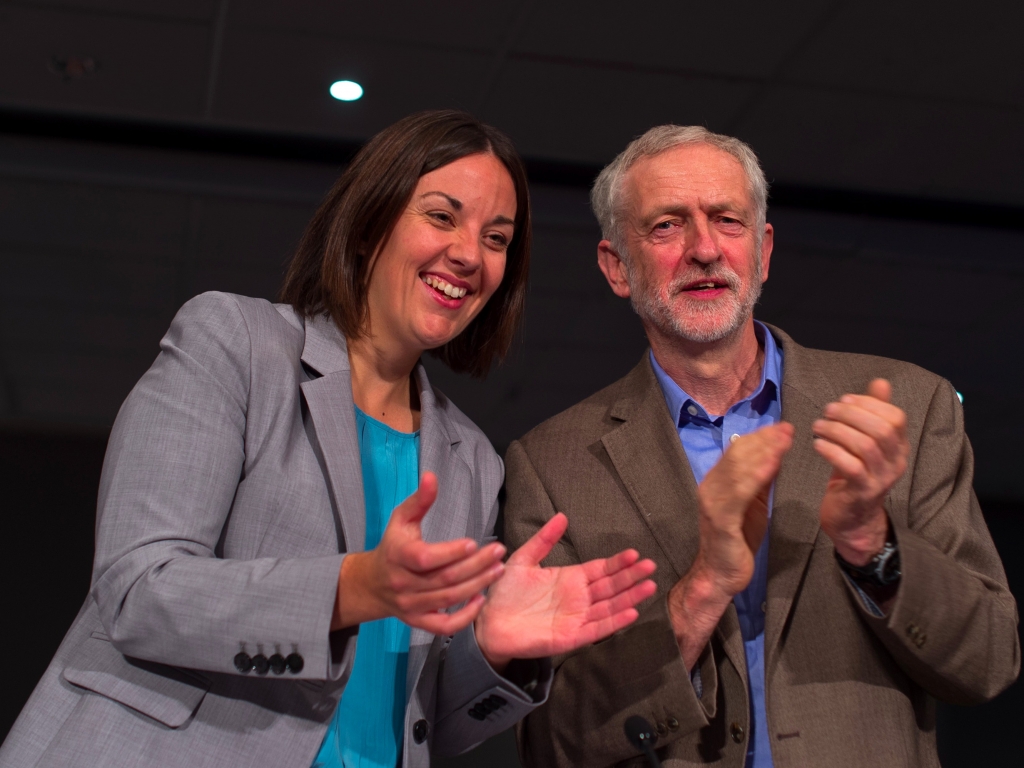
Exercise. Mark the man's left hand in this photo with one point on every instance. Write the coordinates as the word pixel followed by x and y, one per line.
pixel 864 438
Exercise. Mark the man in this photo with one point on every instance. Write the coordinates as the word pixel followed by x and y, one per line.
pixel 824 568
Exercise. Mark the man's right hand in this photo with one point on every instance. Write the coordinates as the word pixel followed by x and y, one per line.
pixel 733 518
pixel 414 580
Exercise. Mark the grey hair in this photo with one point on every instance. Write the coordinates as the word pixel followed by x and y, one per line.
pixel 605 197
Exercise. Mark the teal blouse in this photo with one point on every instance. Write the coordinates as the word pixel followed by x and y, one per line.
pixel 366 731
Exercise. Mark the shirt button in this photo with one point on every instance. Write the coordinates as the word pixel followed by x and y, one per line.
pixel 734 438
pixel 692 410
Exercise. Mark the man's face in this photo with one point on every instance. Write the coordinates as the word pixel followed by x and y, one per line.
pixel 694 260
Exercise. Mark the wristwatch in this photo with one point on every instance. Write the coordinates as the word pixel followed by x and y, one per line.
pixel 881 570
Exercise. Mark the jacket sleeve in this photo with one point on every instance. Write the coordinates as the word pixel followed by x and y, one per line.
pixel 952 626
pixel 638 670
pixel 473 701
pixel 174 461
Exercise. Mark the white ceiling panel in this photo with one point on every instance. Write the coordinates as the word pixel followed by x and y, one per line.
pixel 587 114
pixel 748 39
pixel 946 50
pixel 468 24
pixel 142 67
pixel 281 81
pixel 839 139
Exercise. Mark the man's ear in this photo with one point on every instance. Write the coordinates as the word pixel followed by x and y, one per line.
pixel 613 268
pixel 767 243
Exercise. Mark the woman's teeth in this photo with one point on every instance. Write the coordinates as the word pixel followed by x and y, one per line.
pixel 446 288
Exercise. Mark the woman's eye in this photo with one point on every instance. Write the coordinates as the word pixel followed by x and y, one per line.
pixel 442 216
pixel 499 240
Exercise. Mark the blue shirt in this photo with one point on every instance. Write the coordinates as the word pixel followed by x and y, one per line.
pixel 366 730
pixel 705 438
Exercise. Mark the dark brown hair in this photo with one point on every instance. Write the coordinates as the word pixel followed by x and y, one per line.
pixel 331 270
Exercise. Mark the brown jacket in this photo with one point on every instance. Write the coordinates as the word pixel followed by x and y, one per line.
pixel 843 688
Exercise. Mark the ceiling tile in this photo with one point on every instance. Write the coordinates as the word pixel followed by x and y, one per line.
pixel 748 39
pixel 196 10
pixel 281 82
pixel 939 48
pixel 466 24
pixel 143 67
pixel 587 114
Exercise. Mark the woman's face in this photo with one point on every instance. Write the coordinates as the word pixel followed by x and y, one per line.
pixel 446 255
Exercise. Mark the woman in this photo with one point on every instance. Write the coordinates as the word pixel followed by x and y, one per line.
pixel 249 571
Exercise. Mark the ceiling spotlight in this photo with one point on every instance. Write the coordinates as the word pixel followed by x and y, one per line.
pixel 346 90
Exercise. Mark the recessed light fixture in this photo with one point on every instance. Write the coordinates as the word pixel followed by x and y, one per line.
pixel 346 90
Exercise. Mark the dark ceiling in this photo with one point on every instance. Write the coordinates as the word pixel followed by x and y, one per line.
pixel 922 99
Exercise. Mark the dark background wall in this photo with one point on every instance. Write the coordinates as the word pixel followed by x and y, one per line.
pixel 192 152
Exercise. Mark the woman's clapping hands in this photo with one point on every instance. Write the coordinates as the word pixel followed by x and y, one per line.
pixel 529 611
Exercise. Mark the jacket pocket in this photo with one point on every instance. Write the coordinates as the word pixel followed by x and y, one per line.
pixel 166 694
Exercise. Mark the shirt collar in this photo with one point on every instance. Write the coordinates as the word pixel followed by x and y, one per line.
pixel 679 401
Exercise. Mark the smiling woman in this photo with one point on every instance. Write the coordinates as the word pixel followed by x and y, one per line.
pixel 385 185
pixel 268 586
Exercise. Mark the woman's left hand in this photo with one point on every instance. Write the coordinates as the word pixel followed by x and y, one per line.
pixel 532 612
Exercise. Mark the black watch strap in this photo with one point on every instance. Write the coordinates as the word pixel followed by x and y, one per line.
pixel 881 570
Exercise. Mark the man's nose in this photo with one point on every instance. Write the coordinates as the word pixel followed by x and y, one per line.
pixel 701 245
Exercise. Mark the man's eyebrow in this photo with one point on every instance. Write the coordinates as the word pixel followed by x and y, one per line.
pixel 453 201
pixel 719 207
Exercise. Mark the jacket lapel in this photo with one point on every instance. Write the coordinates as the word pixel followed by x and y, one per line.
pixel 799 489
pixel 649 459
pixel 446 519
pixel 329 398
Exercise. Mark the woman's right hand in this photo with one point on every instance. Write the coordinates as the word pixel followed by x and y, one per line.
pixel 412 580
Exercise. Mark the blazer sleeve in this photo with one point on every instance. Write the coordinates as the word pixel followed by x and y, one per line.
pixel 952 626
pixel 596 688
pixel 473 701
pixel 175 458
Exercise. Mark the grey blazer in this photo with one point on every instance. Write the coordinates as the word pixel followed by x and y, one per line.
pixel 230 493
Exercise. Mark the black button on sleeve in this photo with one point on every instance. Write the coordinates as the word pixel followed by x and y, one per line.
pixel 419 731
pixel 295 663
pixel 476 714
pixel 277 664
pixel 260 664
pixel 243 662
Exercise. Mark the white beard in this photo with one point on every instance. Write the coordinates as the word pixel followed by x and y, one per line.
pixel 672 312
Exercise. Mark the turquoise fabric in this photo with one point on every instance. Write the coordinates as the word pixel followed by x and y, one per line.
pixel 366 731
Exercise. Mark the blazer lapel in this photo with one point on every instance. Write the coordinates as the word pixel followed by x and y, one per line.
pixel 446 519
pixel 799 489
pixel 439 441
pixel 329 398
pixel 649 459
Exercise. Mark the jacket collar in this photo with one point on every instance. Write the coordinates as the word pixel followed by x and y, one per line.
pixel 328 395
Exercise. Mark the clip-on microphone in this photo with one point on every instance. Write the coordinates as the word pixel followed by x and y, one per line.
pixel 642 736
